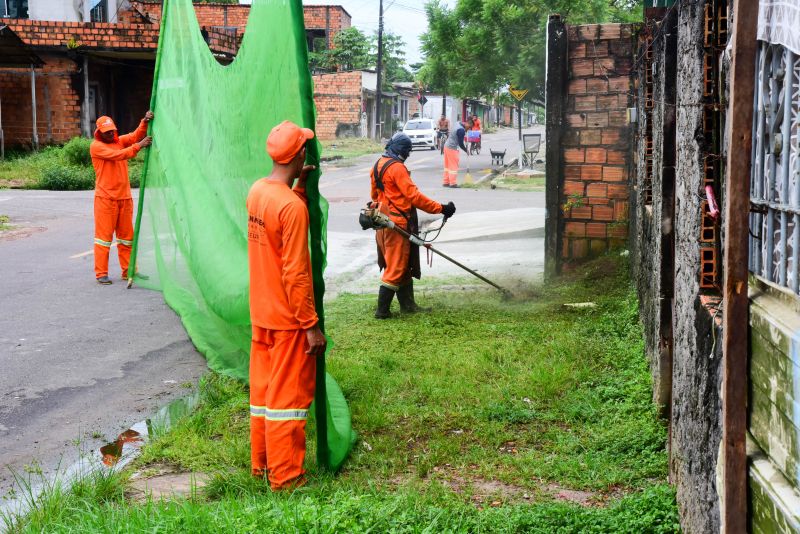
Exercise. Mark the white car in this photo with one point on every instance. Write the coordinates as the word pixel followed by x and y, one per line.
pixel 421 133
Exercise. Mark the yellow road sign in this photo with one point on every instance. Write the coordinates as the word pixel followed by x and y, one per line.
pixel 519 94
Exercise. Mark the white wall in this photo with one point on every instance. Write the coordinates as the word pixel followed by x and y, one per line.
pixel 64 10
pixel 433 108
pixel 71 10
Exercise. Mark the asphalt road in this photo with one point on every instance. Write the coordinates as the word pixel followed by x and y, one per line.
pixel 81 362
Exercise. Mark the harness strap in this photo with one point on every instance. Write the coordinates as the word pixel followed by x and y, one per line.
pixel 378 175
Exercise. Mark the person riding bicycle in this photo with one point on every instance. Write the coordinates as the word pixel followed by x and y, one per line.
pixel 444 130
pixel 475 138
pixel 476 122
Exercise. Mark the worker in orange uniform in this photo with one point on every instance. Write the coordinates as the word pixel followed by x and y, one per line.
pixel 476 123
pixel 286 335
pixel 113 205
pixel 455 140
pixel 393 188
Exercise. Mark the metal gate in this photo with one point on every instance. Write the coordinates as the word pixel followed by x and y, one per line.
pixel 775 184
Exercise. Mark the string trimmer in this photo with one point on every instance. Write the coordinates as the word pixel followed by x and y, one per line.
pixel 374 218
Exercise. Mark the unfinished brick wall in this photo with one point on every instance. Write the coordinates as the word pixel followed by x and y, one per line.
pixel 338 97
pixel 58 106
pixel 332 17
pixel 74 35
pixel 595 141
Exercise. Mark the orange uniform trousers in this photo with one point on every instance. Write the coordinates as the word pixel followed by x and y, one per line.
pixel 396 251
pixel 110 217
pixel 282 379
pixel 451 158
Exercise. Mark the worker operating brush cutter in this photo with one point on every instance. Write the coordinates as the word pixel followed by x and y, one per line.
pixel 392 213
pixel 393 188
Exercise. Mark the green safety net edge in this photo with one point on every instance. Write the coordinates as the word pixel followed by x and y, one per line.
pixel 209 137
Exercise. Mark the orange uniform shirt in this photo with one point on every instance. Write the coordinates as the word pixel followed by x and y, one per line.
pixel 476 124
pixel 281 288
pixel 400 193
pixel 110 162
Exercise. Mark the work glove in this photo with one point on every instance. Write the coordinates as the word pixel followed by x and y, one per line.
pixel 448 210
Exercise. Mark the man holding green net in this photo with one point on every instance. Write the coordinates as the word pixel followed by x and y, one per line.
pixel 286 335
pixel 113 205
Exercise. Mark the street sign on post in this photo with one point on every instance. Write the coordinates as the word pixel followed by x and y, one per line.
pixel 518 94
pixel 422 100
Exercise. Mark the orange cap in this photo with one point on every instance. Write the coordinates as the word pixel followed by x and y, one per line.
pixel 286 140
pixel 105 124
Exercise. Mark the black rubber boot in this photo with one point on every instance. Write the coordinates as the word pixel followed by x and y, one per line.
pixel 385 297
pixel 405 295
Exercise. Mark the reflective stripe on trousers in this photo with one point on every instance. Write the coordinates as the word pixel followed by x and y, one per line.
pixel 282 378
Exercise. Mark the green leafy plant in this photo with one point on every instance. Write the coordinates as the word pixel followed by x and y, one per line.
pixel 76 151
pixel 574 201
pixel 66 178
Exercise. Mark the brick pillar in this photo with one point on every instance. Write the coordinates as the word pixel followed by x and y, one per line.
pixel 595 141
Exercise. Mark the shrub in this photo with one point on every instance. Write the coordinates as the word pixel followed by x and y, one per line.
pixel 76 152
pixel 135 170
pixel 66 178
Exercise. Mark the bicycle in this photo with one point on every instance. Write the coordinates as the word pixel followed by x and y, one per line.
pixel 441 138
pixel 474 140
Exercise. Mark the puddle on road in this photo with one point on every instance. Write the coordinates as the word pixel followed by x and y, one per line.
pixel 132 440
pixel 115 455
pixel 112 452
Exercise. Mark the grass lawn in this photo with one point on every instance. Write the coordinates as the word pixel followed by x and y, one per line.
pixel 519 183
pixel 481 416
pixel 348 148
pixel 49 168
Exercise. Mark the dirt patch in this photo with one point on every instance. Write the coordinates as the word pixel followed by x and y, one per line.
pixel 164 482
pixel 15 183
pixel 14 233
pixel 584 498
pixel 483 492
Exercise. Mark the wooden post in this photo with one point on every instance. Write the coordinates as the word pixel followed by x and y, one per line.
pixel 2 137
pixel 739 127
pixel 555 91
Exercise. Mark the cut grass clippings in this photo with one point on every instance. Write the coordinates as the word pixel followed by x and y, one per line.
pixel 481 416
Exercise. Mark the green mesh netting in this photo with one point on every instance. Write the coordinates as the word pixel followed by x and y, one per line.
pixel 209 133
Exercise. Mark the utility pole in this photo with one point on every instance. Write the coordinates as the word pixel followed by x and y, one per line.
pixel 378 89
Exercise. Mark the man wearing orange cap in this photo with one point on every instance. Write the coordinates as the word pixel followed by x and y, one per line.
pixel 113 205
pixel 287 338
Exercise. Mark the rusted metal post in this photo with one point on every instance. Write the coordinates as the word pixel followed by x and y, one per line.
pixel 35 138
pixel 85 126
pixel 735 300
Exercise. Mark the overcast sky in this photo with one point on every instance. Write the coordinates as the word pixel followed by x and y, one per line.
pixel 403 17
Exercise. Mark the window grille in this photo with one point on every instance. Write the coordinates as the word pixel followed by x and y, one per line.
pixel 775 183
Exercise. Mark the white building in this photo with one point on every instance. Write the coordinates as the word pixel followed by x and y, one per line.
pixel 64 10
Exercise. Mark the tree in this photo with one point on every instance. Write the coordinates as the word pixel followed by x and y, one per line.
pixel 481 46
pixel 350 51
pixel 394 58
